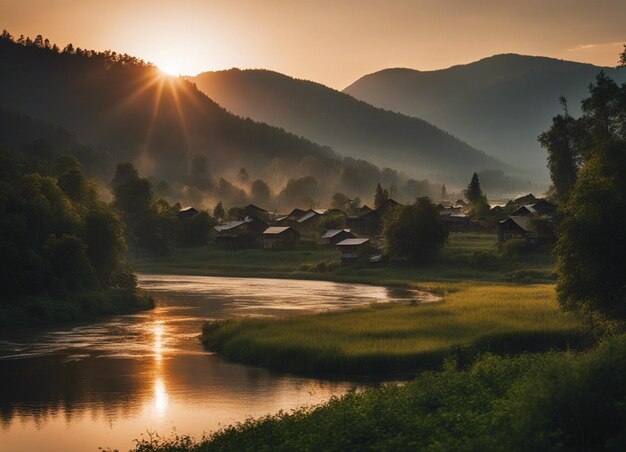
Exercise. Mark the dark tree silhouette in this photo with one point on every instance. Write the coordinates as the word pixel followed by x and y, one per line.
pixel 474 193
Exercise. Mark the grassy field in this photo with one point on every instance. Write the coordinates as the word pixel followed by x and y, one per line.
pixel 466 257
pixel 395 339
pixel 491 302
pixel 540 402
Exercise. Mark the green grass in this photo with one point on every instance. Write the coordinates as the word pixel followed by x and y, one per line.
pixel 466 256
pixel 394 339
pixel 543 402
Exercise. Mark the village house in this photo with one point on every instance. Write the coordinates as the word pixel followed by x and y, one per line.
pixel 354 248
pixel 277 237
pixel 370 223
pixel 334 236
pixel 515 227
pixel 253 211
pixel 307 223
pixel 186 212
pixel 240 233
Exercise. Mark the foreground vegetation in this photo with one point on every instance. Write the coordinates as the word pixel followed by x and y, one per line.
pixel 551 401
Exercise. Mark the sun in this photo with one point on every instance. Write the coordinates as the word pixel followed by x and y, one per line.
pixel 170 68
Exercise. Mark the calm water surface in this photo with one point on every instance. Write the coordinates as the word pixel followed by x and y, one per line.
pixel 81 387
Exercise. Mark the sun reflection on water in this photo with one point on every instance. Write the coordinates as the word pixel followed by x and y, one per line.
pixel 160 389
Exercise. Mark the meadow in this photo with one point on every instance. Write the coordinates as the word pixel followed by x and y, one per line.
pixel 393 339
pixel 465 257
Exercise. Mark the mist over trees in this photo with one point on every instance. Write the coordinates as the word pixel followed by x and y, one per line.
pixel 192 150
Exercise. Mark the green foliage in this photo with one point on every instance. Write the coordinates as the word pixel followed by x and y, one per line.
pixel 592 239
pixel 195 231
pixel 539 402
pixel 515 247
pixel 218 212
pixel 414 232
pixel 57 242
pixel 563 144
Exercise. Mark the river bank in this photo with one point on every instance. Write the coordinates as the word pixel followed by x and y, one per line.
pixel 41 310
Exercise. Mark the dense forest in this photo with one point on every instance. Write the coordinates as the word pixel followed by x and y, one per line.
pixel 350 126
pixel 499 104
pixel 192 149
pixel 62 247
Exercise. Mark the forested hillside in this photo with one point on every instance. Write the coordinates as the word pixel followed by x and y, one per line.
pixel 499 104
pixel 351 127
pixel 127 110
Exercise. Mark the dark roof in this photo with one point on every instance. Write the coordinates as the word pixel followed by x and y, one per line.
pixel 253 207
pixel 543 207
pixel 524 210
pixel 310 214
pixel 524 222
pixel 333 232
pixel 526 199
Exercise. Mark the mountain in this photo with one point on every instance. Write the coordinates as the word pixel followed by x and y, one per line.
pixel 499 104
pixel 107 108
pixel 349 126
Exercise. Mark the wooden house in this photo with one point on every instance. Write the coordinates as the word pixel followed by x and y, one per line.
pixel 334 236
pixel 240 233
pixel 354 248
pixel 370 223
pixel 277 237
pixel 186 212
pixel 516 227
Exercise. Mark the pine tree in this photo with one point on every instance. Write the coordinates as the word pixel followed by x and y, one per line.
pixel 474 193
pixel 381 196
pixel 218 211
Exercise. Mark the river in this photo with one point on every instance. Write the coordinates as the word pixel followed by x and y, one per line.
pixel 104 384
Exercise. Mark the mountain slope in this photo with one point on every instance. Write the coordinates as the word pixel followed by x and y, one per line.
pixel 351 127
pixel 499 104
pixel 121 105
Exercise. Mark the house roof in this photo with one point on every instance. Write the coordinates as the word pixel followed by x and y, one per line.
pixel 311 213
pixel 523 222
pixel 352 242
pixel 277 230
pixel 333 232
pixel 228 226
pixel 253 207
pixel 526 207
pixel 187 209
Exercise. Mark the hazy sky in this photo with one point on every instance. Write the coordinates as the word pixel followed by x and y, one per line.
pixel 329 41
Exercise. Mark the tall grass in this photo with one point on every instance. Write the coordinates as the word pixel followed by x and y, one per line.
pixel 545 402
pixel 391 339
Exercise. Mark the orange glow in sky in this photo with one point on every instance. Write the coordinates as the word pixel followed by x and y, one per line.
pixel 332 42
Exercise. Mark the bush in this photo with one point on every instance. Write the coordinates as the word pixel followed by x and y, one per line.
pixel 515 247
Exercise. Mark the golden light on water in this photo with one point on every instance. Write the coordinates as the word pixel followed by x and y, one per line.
pixel 160 397
pixel 157 348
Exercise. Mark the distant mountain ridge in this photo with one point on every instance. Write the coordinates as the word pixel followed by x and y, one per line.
pixel 499 104
pixel 349 126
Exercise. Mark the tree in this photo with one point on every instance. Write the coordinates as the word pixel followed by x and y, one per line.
pixel 622 58
pixel 592 238
pixel 562 144
pixel 218 212
pixel 380 196
pixel 601 110
pixel 474 193
pixel 444 192
pixel 414 232
pixel 340 202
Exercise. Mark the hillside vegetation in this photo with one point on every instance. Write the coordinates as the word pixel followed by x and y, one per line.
pixel 499 104
pixel 351 127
